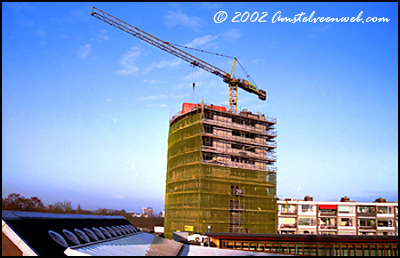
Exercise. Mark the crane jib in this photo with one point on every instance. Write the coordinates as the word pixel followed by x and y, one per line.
pixel 165 46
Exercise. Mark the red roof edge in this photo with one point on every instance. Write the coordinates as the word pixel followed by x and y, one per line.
pixel 186 107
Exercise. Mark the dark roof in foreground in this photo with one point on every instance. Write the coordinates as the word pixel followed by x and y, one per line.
pixel 32 229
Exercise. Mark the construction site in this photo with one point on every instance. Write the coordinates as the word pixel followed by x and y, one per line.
pixel 221 173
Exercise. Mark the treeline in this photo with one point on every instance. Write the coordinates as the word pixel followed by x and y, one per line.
pixel 17 202
pixel 149 222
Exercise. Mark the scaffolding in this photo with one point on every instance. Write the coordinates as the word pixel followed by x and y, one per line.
pixel 220 172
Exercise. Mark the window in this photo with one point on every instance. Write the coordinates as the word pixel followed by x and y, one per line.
pixel 384 209
pixel 238 120
pixel 307 208
pixel 366 209
pixel 82 235
pixel 135 230
pixel 243 134
pixel 111 231
pixel 345 209
pixel 91 234
pixel 105 232
pixel 121 229
pixel 385 223
pixel 131 228
pixel 207 156
pixel 236 133
pixel 116 230
pixel 367 223
pixel 287 222
pixel 242 160
pixel 238 245
pixel 98 232
pixel 237 146
pixel 209 115
pixel 346 222
pixel 291 208
pixel 327 222
pixel 58 238
pixel 287 232
pixel 208 129
pixel 71 236
pixel 250 135
pixel 127 229
pixel 207 141
pixel 229 244
pixel 327 211
pixel 306 221
pixel 251 149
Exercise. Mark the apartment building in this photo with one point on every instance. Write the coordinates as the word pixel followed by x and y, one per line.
pixel 221 171
pixel 344 217
pixel 147 212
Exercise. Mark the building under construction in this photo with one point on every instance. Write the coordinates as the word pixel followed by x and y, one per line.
pixel 220 164
pixel 220 171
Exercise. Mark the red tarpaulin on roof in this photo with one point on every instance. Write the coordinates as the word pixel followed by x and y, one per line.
pixel 327 206
pixel 186 107
pixel 219 108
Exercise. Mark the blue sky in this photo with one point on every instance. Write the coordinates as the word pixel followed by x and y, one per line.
pixel 85 106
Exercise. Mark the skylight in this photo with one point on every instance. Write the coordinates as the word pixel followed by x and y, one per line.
pixel 58 238
pixel 82 235
pixel 71 236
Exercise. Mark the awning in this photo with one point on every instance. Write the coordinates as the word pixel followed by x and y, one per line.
pixel 327 207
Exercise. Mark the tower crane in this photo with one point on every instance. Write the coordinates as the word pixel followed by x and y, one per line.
pixel 234 83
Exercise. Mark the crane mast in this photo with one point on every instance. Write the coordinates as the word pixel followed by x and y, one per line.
pixel 163 45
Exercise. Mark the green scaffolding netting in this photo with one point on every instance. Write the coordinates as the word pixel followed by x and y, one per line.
pixel 200 195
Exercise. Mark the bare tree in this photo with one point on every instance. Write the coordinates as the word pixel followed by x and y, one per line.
pixel 61 207
pixel 17 202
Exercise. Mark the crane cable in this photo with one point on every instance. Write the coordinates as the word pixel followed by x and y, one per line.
pixel 208 52
pixel 213 53
pixel 247 75
pixel 201 50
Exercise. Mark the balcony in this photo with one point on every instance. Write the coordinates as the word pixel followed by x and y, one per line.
pixel 367 211
pixel 366 214
pixel 367 224
pixel 288 212
pixel 327 210
pixel 287 226
pixel 327 227
pixel 327 213
pixel 368 227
